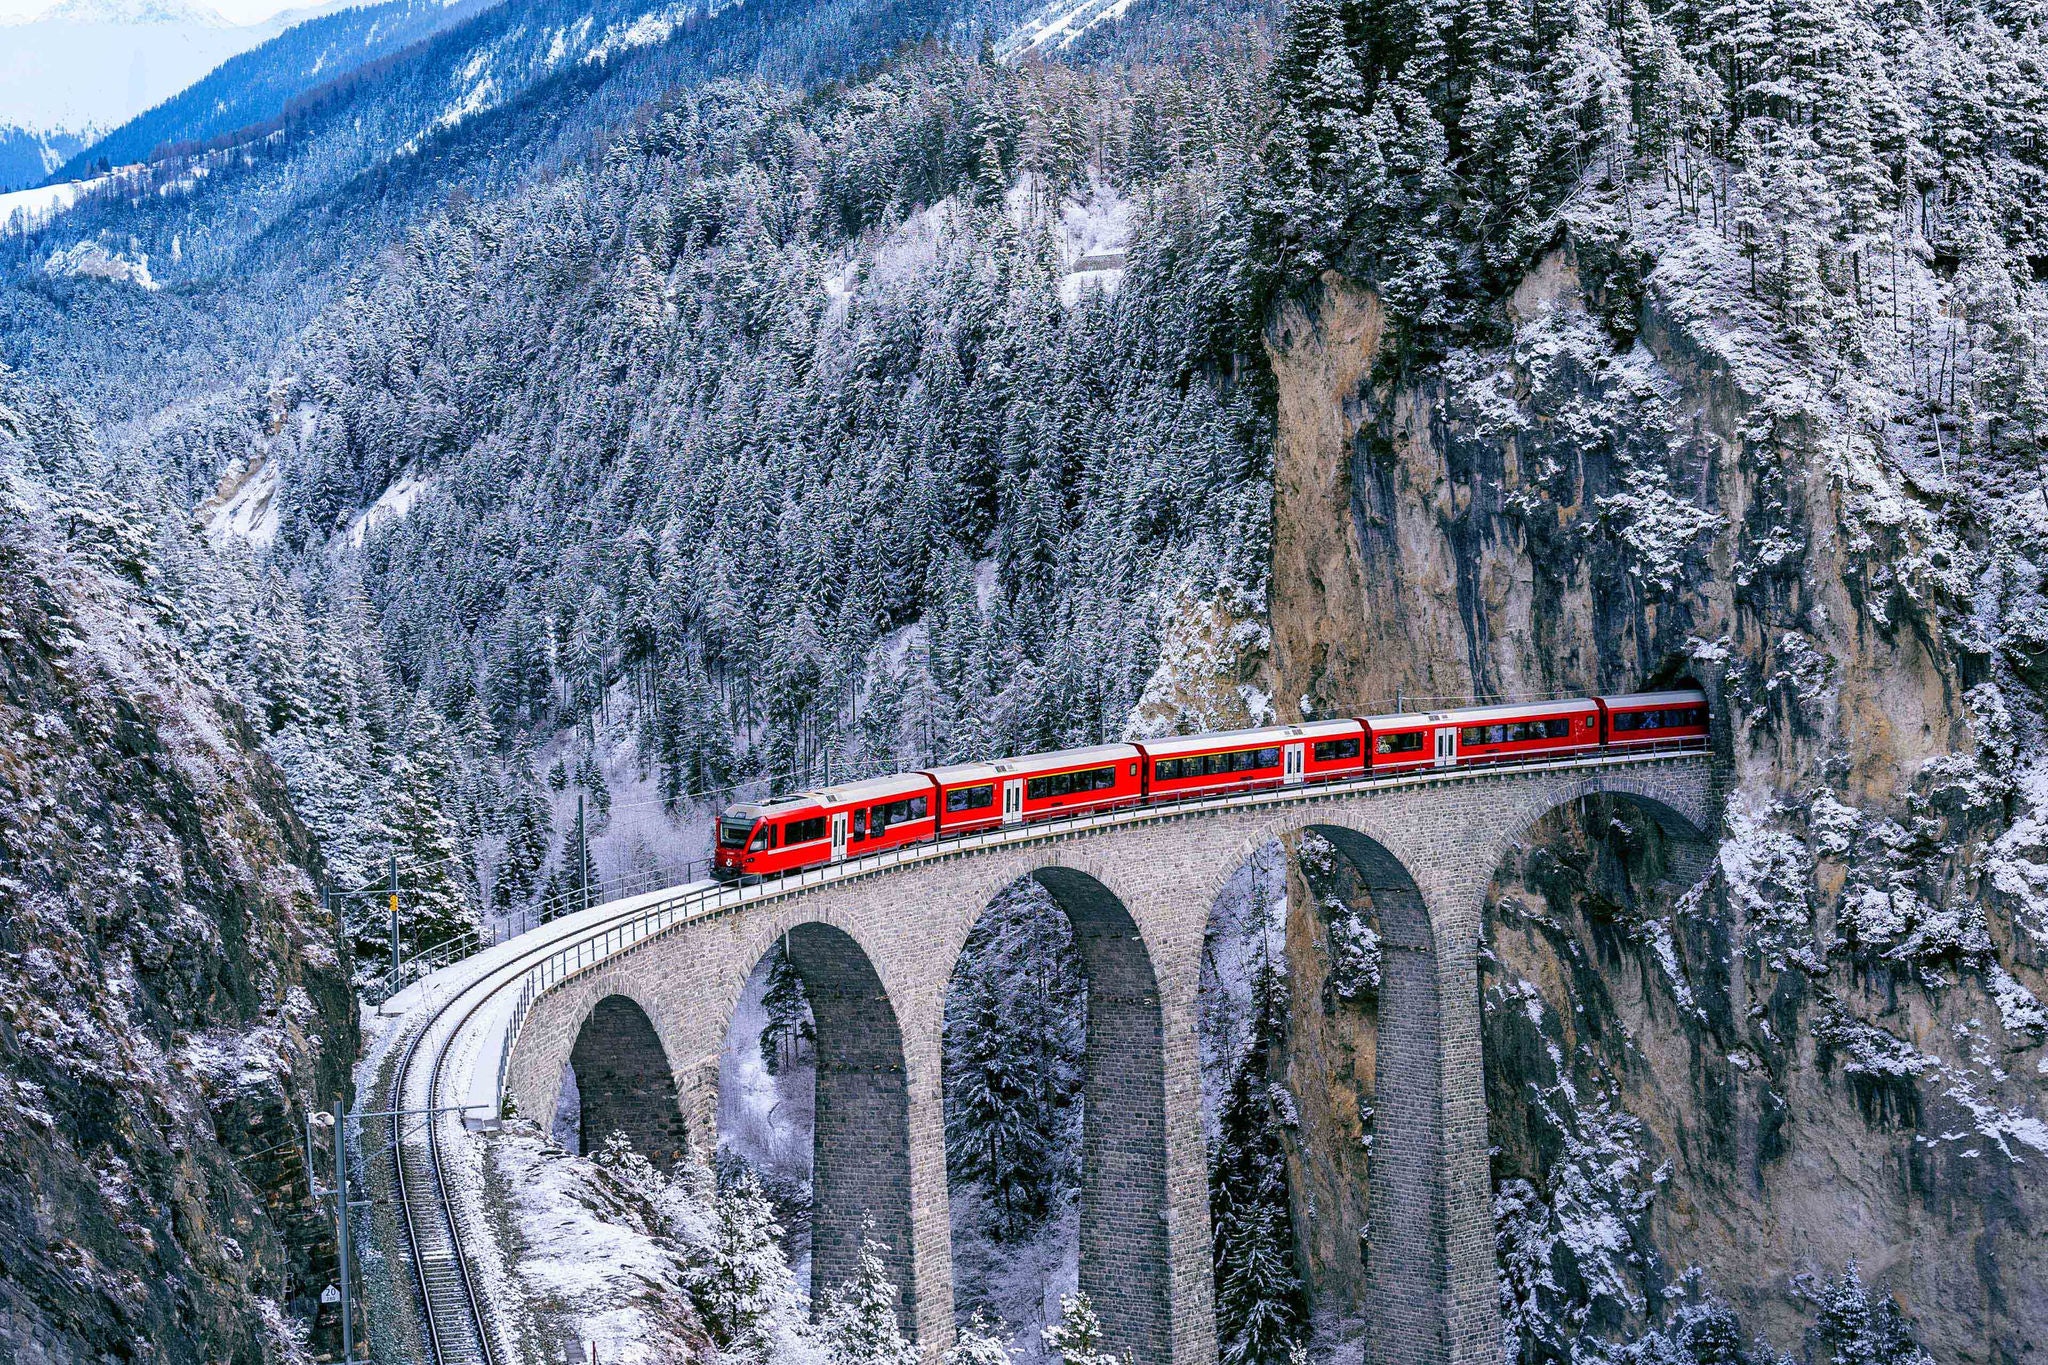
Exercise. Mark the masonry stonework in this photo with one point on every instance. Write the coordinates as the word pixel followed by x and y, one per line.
pixel 878 947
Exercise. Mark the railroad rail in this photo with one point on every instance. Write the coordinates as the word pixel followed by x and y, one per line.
pixel 478 1023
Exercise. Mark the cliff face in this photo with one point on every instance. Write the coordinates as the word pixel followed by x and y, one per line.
pixel 170 991
pixel 1816 1038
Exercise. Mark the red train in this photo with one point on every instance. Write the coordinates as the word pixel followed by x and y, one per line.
pixel 814 828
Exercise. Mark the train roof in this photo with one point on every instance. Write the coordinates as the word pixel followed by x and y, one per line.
pixel 1686 696
pixel 875 788
pixel 1480 715
pixel 1244 739
pixel 1031 763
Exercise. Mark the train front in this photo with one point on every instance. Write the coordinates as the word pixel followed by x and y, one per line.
pixel 733 844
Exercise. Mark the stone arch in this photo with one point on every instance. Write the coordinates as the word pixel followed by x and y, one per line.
pixel 1126 1260
pixel 1681 814
pixel 860 1163
pixel 626 1084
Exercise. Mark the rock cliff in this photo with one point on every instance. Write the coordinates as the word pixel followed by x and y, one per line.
pixel 171 994
pixel 1816 1038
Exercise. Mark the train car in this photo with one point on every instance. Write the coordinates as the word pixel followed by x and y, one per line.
pixel 1397 743
pixel 1244 760
pixel 1643 719
pixel 1484 734
pixel 1009 791
pixel 812 829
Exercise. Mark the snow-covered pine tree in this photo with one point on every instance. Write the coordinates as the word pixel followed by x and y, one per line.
pixel 743 1278
pixel 1076 1339
pixel 859 1324
pixel 1260 1309
pixel 980 1342
pixel 788 1028
pixel 529 838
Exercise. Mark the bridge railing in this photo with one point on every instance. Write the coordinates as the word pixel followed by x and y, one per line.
pixel 640 924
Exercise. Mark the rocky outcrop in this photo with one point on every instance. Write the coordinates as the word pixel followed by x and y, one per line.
pixel 171 993
pixel 1818 1037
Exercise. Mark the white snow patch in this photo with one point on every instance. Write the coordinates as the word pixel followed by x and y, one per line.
pixel 243 505
pixel 391 505
pixel 1060 25
pixel 90 260
pixel 25 210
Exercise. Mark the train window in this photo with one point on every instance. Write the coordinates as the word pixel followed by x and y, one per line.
pixel 765 839
pixel 1105 778
pixel 803 831
pixel 1409 743
pixel 1166 770
pixel 734 829
pixel 860 826
pixel 920 807
pixel 1269 758
pixel 971 798
pixel 1558 728
pixel 1331 750
pixel 1038 788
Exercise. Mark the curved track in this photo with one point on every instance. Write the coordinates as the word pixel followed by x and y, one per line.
pixel 454 1326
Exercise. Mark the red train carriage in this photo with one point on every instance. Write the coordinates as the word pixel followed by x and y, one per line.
pixel 1484 734
pixel 1036 787
pixel 1397 743
pixel 1243 760
pixel 1659 718
pixel 815 828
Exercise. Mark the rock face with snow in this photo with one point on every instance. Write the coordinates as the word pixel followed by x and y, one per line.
pixel 1814 1038
pixel 171 996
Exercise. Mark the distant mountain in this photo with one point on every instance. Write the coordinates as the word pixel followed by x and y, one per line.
pixel 249 230
pixel 256 87
pixel 27 157
pixel 101 62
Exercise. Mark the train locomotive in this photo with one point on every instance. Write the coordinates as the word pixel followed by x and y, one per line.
pixel 852 820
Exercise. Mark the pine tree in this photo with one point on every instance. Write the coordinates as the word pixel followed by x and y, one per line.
pixel 1076 1339
pixel 859 1324
pixel 789 1026
pixel 529 837
pixel 980 1342
pixel 1260 1311
pixel 743 1278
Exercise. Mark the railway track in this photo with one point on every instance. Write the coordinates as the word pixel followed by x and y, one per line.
pixel 453 1326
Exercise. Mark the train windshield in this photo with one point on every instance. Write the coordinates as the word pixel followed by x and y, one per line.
pixel 733 830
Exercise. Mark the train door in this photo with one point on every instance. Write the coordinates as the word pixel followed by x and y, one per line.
pixel 839 837
pixel 1446 746
pixel 1013 801
pixel 1290 764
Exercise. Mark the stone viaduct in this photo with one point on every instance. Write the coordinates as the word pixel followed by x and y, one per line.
pixel 877 947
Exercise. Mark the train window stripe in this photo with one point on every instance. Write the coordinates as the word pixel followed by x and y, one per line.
pixel 1517 732
pixel 1067 784
pixel 1662 718
pixel 971 798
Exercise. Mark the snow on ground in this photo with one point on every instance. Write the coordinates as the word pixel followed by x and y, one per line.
pixel 1095 233
pixel 1060 24
pixel 25 210
pixel 90 260
pixel 764 1118
pixel 244 504
pixel 391 505
pixel 589 1263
